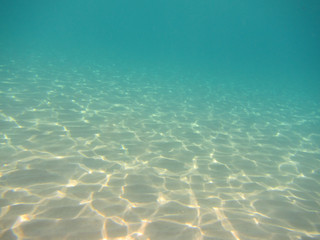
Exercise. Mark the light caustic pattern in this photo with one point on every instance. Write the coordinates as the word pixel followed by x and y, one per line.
pixel 98 153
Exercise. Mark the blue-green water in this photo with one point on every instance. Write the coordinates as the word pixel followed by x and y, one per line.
pixel 159 120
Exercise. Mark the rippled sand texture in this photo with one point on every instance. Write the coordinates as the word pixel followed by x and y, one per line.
pixel 99 153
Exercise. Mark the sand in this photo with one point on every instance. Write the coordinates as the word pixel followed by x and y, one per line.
pixel 99 153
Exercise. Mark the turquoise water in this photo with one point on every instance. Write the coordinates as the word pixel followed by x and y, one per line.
pixel 159 120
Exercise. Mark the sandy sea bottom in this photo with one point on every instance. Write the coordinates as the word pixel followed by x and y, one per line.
pixel 99 153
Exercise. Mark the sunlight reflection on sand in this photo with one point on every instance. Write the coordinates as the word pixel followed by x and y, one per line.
pixel 114 156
